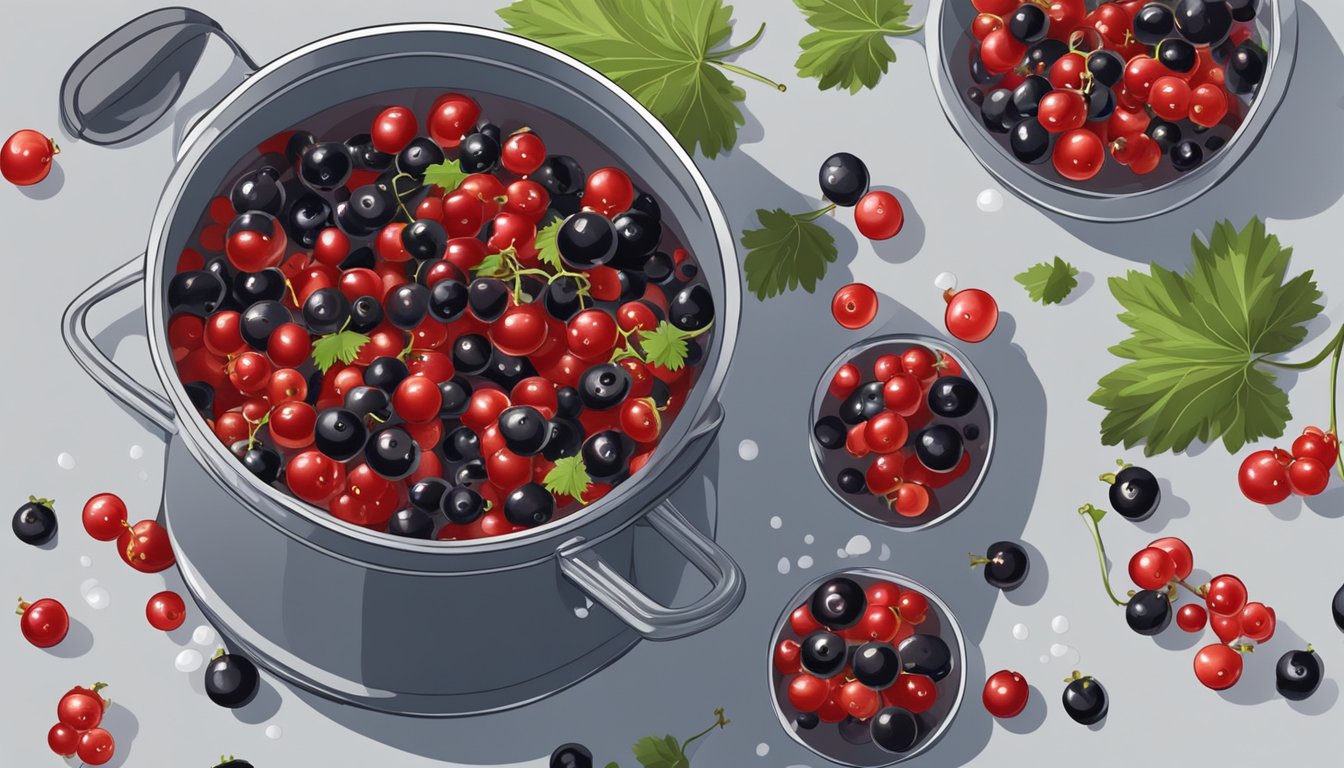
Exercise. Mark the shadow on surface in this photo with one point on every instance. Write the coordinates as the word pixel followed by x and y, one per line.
pixel 78 641
pixel 1030 718
pixel 124 727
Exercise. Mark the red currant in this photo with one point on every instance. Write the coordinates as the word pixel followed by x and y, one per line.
pixel 1000 51
pixel 332 247
pixel 1062 110
pixel 1208 105
pixel 96 747
pixel 1151 568
pixel 1170 98
pixel 856 444
pixel 916 693
pixel 256 241
pixel 608 191
pixel 1078 155
pixel 145 547
pixel 882 593
pixel 911 499
pixel 808 693
pixel 104 516
pixel 1068 71
pixel 26 158
pixel 393 129
pixel 417 399
pixel 452 118
pixel 82 708
pixel 1308 477
pixel 521 330
pixel 1227 628
pixel 592 335
pixel 858 700
pixel 845 381
pixel 912 607
pixel 984 24
pixel 1316 444
pixel 1218 667
pixel 972 314
pixel 788 658
pixel 1257 622
pixel 640 420
pixel 314 477
pixel 1179 552
pixel 166 611
pixel 1124 122
pixel 883 475
pixel 1263 478
pixel 886 432
pixel 63 740
pixel 289 346
pixel 522 153
pixel 879 625
pixel 292 425
pixel 879 215
pixel 44 623
pixel 1191 617
pixel 920 362
pixel 1005 694
pixel 527 198
pixel 854 306
pixel 1226 595
pixel 1141 73
pixel 802 622
pixel 995 7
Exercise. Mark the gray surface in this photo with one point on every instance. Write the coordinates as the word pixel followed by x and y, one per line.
pixel 97 214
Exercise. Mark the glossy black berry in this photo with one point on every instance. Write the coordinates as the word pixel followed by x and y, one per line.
pixel 471 354
pixel 264 462
pixel 605 454
pixel 927 655
pixel 998 112
pixel 418 155
pixel 325 166
pixel 586 240
pixel 306 215
pixel 1134 493
pixel 233 762
pixel 448 299
pixel 1202 22
pixel 952 397
pixel 807 720
pixel 407 305
pixel 829 432
pixel 561 175
pixel 196 293
pixel 1148 612
pixel 659 268
pixel 488 298
pixel 260 320
pixel 524 429
pixel 564 438
pixel 326 310
pixel 863 403
pixel 366 156
pixel 571 756
pixel 1187 156
pixel 369 401
pixel 633 284
pixel 340 433
pixel 1245 68
pixel 939 448
pixel 462 505
pixel 1242 10
pixel 1028 24
pixel 1106 67
pixel 424 239
pixel 259 190
pixel 1167 135
pixel 386 373
pixel 637 235
pixel 462 444
pixel 456 395
pixel 838 603
pixel 428 494
pixel 647 204
pixel 1337 609
pixel 1177 55
pixel 604 386
pixel 1100 104
pixel 980 73
pixel 1006 565
pixel 1028 94
pixel 507 370
pixel 561 298
pixel 1085 701
pixel 412 523
pixel 876 665
pixel 1214 143
pixel 35 523
pixel 470 475
pixel 843 178
pixel 568 403
pixel 478 153
pixel 823 654
pixel 391 453
pixel 1040 57
pixel 1298 674
pixel 895 730
pixel 297 145
pixel 369 208
pixel 265 285
pixel 202 397
pixel 231 680
pixel 1153 23
pixel 529 504
pixel 692 308
pixel 851 481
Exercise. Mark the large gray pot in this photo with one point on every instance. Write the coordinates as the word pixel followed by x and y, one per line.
pixel 414 627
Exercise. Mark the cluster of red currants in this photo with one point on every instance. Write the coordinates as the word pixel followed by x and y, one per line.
pixel 77 732
pixel 143 546
pixel 1270 476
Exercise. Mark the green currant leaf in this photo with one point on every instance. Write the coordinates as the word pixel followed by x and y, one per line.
pixel 788 251
pixel 1049 282
pixel 342 345
pixel 665 345
pixel 446 175
pixel 548 252
pixel 1196 356
pixel 653 752
pixel 569 477
pixel 849 47
pixel 491 266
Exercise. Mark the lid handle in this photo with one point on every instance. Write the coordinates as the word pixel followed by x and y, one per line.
pixel 131 78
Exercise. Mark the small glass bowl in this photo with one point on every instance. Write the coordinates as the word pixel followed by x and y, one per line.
pixel 825 739
pixel 945 501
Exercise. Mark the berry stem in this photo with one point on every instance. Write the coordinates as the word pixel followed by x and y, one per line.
pixel 814 215
pixel 977 560
pixel 48 503
pixel 1091 516
pixel 1197 592
pixel 719 722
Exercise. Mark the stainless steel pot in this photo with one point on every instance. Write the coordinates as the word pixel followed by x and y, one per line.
pixel 414 627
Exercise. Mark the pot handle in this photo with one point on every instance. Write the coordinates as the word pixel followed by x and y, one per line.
pixel 131 78
pixel 582 565
pixel 107 374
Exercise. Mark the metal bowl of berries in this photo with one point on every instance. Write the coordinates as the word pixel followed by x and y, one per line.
pixel 867 668
pixel 425 597
pixel 902 430
pixel 1039 116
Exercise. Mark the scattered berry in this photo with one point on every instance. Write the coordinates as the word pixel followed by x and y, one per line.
pixel 44 623
pixel 166 611
pixel 26 157
pixel 1298 674
pixel 1085 699
pixel 35 522
pixel 854 306
pixel 231 680
pixel 105 516
pixel 879 215
pixel 1006 694
pixel 971 314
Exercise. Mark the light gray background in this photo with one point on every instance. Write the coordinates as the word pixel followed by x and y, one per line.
pixel 1042 364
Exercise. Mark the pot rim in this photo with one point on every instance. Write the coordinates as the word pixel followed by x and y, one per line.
pixel 281 509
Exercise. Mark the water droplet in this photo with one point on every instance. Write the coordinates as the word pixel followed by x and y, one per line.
pixel 859 545
pixel 1067 653
pixel 1020 631
pixel 203 635
pixel 885 554
pixel 581 612
pixel 189 660
pixel 783 565
pixel 762 749
pixel 274 732
pixel 1045 659
pixel 137 452
pixel 97 598
pixel 85 560
pixel 805 562
pixel 989 201
pixel 1059 624
pixel 65 461
pixel 809 538
pixel 945 281
pixel 841 553
pixel 776 523
pixel 748 450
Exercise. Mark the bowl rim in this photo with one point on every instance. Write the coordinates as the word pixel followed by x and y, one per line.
pixel 944 615
pixel 284 509
pixel 1079 203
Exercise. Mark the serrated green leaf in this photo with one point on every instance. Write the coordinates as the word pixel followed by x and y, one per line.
pixel 342 345
pixel 653 752
pixel 569 477
pixel 662 53
pixel 849 48
pixel 787 252
pixel 491 266
pixel 548 252
pixel 1196 354
pixel 446 175
pixel 665 345
pixel 1049 282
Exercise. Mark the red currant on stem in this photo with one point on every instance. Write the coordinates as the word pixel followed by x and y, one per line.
pixel 44 623
pixel 26 157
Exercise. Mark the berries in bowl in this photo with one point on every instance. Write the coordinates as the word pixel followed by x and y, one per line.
pixel 902 430
pixel 867 668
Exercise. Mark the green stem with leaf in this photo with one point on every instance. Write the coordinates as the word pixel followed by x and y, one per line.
pixel 1332 351
pixel 717 59
pixel 1092 516
pixel 719 722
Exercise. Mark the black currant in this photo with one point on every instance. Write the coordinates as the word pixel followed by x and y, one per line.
pixel 259 190
pixel 369 401
pixel 325 166
pixel 939 448
pixel 647 204
pixel 604 386
pixel 366 313
pixel 561 298
pixel 260 320
pixel 428 494
pixel 1186 156
pixel 895 729
pixel 1006 565
pixel 1167 135
pixel 297 145
pixel 1029 24
pixel 462 505
pixel 488 298
pixel 448 299
pixel 926 655
pixel 823 654
pixel 571 756
pixel 637 235
pixel 838 603
pixel 424 239
pixel 952 397
pixel 471 354
pixel 265 285
pixel 197 293
pixel 843 178
pixel 564 438
pixel 456 395
pixel 1202 22
pixel 807 720
pixel 35 522
pixel 231 680
pixel 1298 674
pixel 1085 700
pixel 369 209
pixel 1134 492
pixel 202 397
pixel 606 455
pixel 1106 67
pixel 407 305
pixel 829 432
pixel 470 475
pixel 418 155
pixel 863 403
pixel 306 215
pixel 462 444
pixel 1040 57
pixel 1243 12
pixel 561 175
pixel 391 453
pixel 529 504
pixel 412 523
pixel 340 434
pixel 478 153
pixel 1154 23
pixel 366 156
pixel 851 481
pixel 1245 68
pixel 524 429
pixel 586 240
pixel 1148 612
pixel 507 370
pixel 1100 104
pixel 659 268
pixel 386 373
pixel 569 403
pixel 1337 609
pixel 1027 96
pixel 326 310
pixel 998 111
pixel 633 284
pixel 876 665
pixel 1177 55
